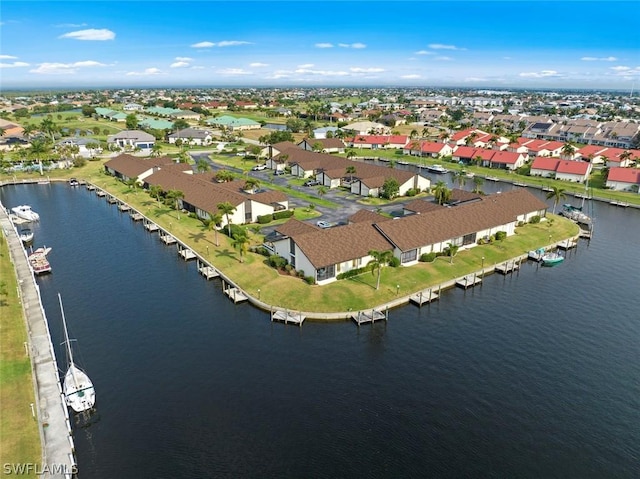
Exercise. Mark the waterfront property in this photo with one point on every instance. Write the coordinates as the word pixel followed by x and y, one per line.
pixel 134 139
pixel 624 179
pixel 574 171
pixel 325 253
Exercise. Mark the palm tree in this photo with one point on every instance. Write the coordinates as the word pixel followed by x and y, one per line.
pixel 240 242
pixel 557 194
pixel 350 154
pixel 251 184
pixel 568 150
pixel 28 130
pixel 624 156
pixel 441 192
pixel 380 258
pixel 214 223
pixel 176 196
pixel 39 148
pixel 350 170
pixel 202 165
pixel 156 149
pixel 49 127
pixel 452 250
pixel 460 178
pixel 224 176
pixel 322 191
pixel 227 209
pixel 155 191
pixel 414 134
pixel 477 183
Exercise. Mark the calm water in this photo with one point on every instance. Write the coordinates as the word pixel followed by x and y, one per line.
pixel 535 375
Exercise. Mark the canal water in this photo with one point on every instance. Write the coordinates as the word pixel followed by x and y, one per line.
pixel 531 375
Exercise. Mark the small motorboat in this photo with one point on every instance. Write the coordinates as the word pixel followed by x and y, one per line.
pixel 439 169
pixel 26 235
pixel 25 212
pixel 551 259
pixel 73 182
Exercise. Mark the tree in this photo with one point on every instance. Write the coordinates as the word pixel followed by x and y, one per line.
pixel 317 147
pixel 202 166
pixel 295 125
pixel 568 150
pixel 390 188
pixel 460 178
pixel 441 192
pixel 215 220
pixel 180 124
pixel 414 134
pixel 156 149
pixel 350 154
pixel 350 170
pixel 88 110
pixel 49 127
pixel 557 194
pixel 227 209
pixel 477 183
pixel 131 121
pixel 251 184
pixel 451 251
pixel 380 258
pixel 240 242
pixel 322 191
pixel 155 191
pixel 175 196
pixel 224 176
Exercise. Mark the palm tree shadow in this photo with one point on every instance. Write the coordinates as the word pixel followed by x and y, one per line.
pixel 226 253
pixel 360 279
pixel 197 236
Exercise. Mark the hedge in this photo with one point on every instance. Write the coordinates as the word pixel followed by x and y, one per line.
pixel 283 214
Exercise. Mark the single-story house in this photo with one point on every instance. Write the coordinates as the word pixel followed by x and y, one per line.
pixel 374 142
pixel 87 147
pixel 576 171
pixel 507 160
pixel 132 139
pixel 624 179
pixel 367 128
pixel 427 148
pixel 191 136
pixel 327 145
pixel 233 124
pixel 127 167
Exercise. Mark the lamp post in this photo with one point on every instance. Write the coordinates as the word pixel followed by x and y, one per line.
pixel 483 263
pixel 397 289
pixel 258 293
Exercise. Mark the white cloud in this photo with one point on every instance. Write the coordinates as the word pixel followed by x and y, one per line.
pixel 71 25
pixel 179 65
pixel 440 46
pixel 324 45
pixel 52 68
pixel 541 74
pixel 412 76
pixel 146 72
pixel 184 59
pixel 7 57
pixel 621 68
pixel 91 34
pixel 626 72
pixel 366 70
pixel 599 59
pixel 223 43
pixel 306 65
pixel 306 71
pixel 443 59
pixel 424 52
pixel 258 65
pixel 234 71
pixel 13 65
pixel 475 79
pixel 352 45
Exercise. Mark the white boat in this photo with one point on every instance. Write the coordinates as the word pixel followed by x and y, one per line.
pixel 25 212
pixel 437 169
pixel 39 262
pixel 26 235
pixel 73 182
pixel 77 387
pixel 552 259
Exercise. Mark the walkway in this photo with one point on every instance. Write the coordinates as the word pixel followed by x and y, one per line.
pixel 53 415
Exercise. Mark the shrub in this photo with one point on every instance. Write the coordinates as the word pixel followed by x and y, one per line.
pixel 500 235
pixel 411 192
pixel 78 162
pixel 235 230
pixel 264 219
pixel 520 223
pixel 535 219
pixel 429 257
pixel 394 262
pixel 288 268
pixel 282 214
pixel 263 251
pixel 277 262
pixel 351 273
pixel 310 279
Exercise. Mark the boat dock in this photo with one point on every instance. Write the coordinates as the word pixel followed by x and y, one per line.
pixel 234 293
pixel 135 216
pixel 124 207
pixel 150 226
pixel 568 244
pixel 100 193
pixel 186 253
pixel 167 238
pixel 619 203
pixel 426 296
pixel 469 281
pixel 91 187
pixel 369 316
pixel 209 272
pixel 287 316
pixel 508 267
pixel 112 200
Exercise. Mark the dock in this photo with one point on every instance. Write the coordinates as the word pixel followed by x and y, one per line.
pixel 167 238
pixel 585 233
pixel 235 294
pixel 287 316
pixel 619 203
pixel 100 193
pixel 568 244
pixel 492 178
pixel 209 272
pixel 422 297
pixel 91 187
pixel 369 316
pixel 112 200
pixel 135 216
pixel 508 267
pixel 124 207
pixel 185 252
pixel 151 227
pixel 469 281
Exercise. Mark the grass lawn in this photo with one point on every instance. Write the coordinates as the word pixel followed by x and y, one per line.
pixel 19 435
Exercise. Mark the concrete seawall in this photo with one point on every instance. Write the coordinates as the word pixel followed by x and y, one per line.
pixel 58 459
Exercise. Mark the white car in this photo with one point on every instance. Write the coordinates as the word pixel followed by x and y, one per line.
pixel 259 167
pixel 324 224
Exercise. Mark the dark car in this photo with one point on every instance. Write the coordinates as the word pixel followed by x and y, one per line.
pixel 311 183
pixel 278 172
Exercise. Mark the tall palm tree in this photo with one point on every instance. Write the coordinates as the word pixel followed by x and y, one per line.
pixel 49 127
pixel 557 194
pixel 477 183
pixel 227 209
pixel 568 150
pixel 240 242
pixel 156 149
pixel 452 250
pixel 155 191
pixel 251 184
pixel 380 258
pixel 202 166
pixel 350 170
pixel 441 192
pixel 39 148
pixel 350 154
pixel 214 223
pixel 175 196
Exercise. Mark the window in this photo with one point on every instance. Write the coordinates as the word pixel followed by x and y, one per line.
pixel 408 256
pixel 326 273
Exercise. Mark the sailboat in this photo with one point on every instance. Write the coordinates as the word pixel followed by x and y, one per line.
pixel 78 388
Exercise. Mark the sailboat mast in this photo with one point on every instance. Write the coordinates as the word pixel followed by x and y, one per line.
pixel 66 333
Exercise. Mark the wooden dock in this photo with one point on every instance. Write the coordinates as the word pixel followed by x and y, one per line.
pixel 101 193
pixel 585 233
pixel 235 294
pixel 469 281
pixel 91 187
pixel 369 316
pixel 619 203
pixel 166 238
pixel 124 207
pixel 186 253
pixel 209 272
pixel 151 227
pixel 568 244
pixel 508 267
pixel 426 296
pixel 287 316
pixel 492 178
pixel 135 216
pixel 111 200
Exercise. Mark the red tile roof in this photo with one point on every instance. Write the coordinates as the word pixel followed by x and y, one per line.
pixel 573 167
pixel 543 163
pixel 506 157
pixel 624 175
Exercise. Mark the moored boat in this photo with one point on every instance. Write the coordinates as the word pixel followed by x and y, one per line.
pixel 39 262
pixel 552 259
pixel 73 182
pixel 26 235
pixel 574 213
pixel 79 392
pixel 436 169
pixel 536 255
pixel 25 212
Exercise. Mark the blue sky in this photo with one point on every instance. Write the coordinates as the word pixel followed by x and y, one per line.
pixel 575 44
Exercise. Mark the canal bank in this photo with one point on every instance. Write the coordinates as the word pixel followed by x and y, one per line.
pixel 58 450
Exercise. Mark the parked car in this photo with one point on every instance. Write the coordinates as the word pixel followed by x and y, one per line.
pixel 259 167
pixel 311 183
pixel 278 172
pixel 323 224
